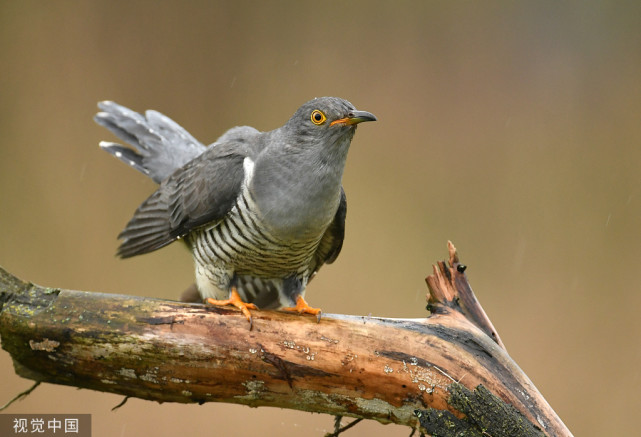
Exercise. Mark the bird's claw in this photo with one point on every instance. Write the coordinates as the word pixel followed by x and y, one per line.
pixel 235 300
pixel 303 308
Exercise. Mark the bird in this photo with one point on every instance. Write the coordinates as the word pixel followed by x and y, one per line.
pixel 261 212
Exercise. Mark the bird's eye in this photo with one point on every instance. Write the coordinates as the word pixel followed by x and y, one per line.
pixel 318 117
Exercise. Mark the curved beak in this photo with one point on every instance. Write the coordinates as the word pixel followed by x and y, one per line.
pixel 354 117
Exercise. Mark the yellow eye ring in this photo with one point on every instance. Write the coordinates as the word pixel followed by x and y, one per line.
pixel 318 117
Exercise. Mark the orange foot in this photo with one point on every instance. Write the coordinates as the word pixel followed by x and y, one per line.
pixel 235 300
pixel 303 308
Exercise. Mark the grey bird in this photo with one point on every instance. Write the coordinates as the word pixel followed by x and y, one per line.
pixel 260 211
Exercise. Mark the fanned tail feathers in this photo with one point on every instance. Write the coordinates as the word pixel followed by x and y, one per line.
pixel 126 155
pixel 160 145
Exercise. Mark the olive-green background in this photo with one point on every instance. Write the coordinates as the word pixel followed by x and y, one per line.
pixel 511 128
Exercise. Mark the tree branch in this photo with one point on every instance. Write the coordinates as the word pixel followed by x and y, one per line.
pixel 364 367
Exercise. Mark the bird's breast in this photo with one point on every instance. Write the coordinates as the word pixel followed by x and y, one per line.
pixel 243 242
pixel 295 204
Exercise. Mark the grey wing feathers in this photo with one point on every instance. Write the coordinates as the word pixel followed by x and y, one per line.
pixel 332 241
pixel 149 229
pixel 200 193
pixel 160 145
pixel 238 134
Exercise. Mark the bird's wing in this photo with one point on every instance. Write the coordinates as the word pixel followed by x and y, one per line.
pixel 332 241
pixel 201 192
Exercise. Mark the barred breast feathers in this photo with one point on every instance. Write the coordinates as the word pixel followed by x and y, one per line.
pixel 242 243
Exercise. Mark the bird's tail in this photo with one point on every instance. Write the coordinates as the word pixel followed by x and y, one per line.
pixel 160 145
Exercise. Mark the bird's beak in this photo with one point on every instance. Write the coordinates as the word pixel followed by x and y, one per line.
pixel 354 117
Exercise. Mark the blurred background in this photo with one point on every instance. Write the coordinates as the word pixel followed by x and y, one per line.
pixel 511 128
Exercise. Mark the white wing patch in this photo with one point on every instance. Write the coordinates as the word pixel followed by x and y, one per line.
pixel 248 167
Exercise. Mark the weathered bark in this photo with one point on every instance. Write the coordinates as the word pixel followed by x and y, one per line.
pixel 375 368
pixel 485 415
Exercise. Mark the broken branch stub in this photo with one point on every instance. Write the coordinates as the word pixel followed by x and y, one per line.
pixel 449 291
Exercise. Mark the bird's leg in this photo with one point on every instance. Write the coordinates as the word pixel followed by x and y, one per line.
pixel 235 300
pixel 303 308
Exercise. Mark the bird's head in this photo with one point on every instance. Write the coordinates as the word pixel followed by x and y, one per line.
pixel 327 120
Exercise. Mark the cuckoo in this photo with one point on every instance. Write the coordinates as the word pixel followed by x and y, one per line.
pixel 261 212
